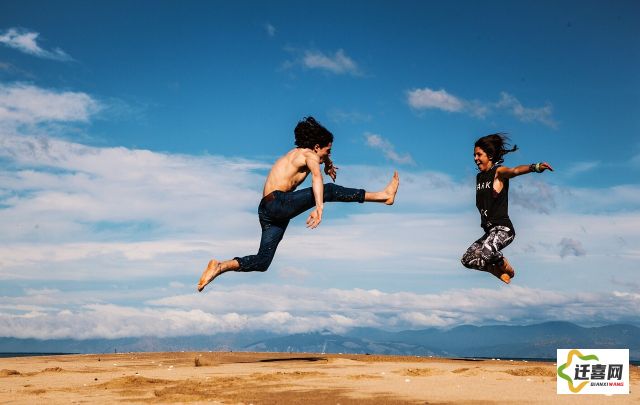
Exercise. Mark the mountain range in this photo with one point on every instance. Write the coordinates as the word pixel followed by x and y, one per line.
pixel 532 341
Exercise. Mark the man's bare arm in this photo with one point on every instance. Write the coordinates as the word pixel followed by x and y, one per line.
pixel 317 185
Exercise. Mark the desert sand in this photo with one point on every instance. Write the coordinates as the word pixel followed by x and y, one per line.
pixel 279 378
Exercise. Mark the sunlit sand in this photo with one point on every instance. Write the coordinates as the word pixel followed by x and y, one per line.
pixel 267 378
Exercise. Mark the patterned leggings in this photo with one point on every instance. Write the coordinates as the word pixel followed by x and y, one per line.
pixel 487 249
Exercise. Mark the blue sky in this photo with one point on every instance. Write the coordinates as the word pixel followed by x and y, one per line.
pixel 135 137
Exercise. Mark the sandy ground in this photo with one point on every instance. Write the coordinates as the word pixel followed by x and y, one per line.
pixel 277 378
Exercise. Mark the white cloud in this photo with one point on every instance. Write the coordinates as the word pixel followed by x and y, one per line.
pixel 339 63
pixel 79 261
pixel 26 42
pixel 438 99
pixel 378 142
pixel 527 114
pixel 426 98
pixel 27 104
pixel 66 188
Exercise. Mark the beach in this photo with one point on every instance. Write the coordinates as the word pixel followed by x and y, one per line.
pixel 282 378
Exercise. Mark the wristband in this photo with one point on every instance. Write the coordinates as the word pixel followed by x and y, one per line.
pixel 535 167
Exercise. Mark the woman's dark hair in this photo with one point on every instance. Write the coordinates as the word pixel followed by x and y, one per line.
pixel 495 146
pixel 310 133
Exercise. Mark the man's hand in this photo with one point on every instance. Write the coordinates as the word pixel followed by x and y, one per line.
pixel 330 170
pixel 314 218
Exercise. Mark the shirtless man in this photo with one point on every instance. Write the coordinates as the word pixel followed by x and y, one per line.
pixel 280 202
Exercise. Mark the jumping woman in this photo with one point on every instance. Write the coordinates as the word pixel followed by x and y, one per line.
pixel 492 200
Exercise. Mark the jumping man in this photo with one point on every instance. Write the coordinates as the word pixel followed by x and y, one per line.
pixel 280 203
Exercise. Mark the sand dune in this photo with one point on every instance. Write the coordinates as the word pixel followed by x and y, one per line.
pixel 277 378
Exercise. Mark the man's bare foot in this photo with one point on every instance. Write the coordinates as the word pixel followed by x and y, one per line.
pixel 212 271
pixel 392 188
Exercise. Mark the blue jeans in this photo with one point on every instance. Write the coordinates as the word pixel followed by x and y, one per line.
pixel 275 211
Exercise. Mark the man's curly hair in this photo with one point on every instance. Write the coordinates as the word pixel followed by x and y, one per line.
pixel 310 133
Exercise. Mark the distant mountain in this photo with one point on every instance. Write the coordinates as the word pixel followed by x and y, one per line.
pixel 330 343
pixel 219 342
pixel 533 341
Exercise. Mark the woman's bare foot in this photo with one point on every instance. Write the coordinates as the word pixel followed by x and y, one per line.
pixel 212 271
pixel 497 271
pixel 506 268
pixel 505 278
pixel 392 188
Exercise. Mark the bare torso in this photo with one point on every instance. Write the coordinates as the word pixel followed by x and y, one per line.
pixel 288 172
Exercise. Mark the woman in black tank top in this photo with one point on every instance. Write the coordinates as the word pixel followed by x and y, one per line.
pixel 492 201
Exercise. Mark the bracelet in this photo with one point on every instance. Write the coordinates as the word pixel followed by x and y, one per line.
pixel 535 167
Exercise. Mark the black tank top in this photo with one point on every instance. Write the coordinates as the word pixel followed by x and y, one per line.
pixel 493 207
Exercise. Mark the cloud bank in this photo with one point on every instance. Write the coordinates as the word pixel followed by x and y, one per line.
pixel 134 228
pixel 287 309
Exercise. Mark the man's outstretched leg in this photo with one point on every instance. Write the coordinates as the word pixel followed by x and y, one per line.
pixel 303 200
pixel 388 195
pixel 214 269
pixel 272 233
